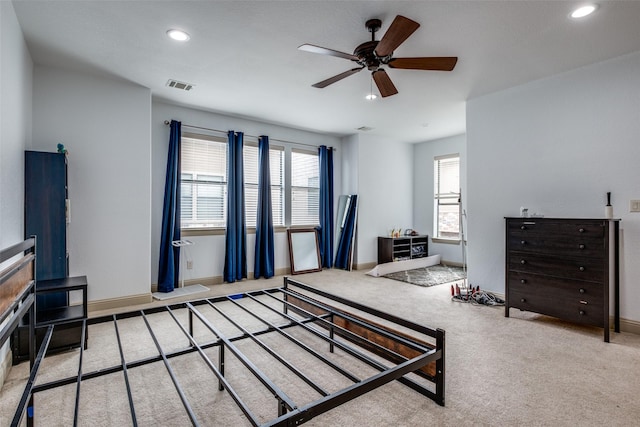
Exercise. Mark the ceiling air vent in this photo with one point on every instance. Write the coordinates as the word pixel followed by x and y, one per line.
pixel 179 85
pixel 364 128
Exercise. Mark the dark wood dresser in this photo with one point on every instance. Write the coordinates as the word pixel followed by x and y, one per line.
pixel 563 268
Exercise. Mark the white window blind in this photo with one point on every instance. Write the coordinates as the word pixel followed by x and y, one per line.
pixel 447 197
pixel 276 168
pixel 203 198
pixel 305 188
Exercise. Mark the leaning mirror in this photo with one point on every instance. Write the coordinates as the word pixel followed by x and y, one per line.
pixel 304 250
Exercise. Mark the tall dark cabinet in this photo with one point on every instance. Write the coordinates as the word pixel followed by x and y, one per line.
pixel 45 200
pixel 45 214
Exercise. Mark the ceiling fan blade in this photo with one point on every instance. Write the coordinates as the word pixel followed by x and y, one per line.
pixel 384 83
pixel 324 51
pixel 334 79
pixel 442 63
pixel 401 28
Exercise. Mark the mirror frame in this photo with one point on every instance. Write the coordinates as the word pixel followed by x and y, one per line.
pixel 303 262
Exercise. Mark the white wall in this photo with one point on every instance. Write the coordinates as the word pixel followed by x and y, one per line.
pixel 423 173
pixel 16 80
pixel 207 252
pixel 104 124
pixel 556 146
pixel 385 190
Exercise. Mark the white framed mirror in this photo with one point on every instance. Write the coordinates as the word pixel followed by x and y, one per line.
pixel 304 250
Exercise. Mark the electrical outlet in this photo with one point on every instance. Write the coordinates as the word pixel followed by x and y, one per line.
pixel 189 264
pixel 634 206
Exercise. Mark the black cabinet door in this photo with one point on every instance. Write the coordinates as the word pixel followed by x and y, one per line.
pixel 45 200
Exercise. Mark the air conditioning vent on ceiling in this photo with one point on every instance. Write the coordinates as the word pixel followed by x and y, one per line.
pixel 179 85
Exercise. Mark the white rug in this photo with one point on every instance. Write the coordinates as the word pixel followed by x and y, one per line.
pixel 180 292
pixel 392 267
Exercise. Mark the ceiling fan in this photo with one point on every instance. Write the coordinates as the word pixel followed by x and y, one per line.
pixel 373 54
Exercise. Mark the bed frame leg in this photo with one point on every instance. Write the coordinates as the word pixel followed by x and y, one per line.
pixel 221 366
pixel 282 408
pixel 331 334
pixel 440 368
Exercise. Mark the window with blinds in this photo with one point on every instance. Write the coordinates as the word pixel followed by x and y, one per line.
pixel 203 198
pixel 305 188
pixel 447 197
pixel 203 183
pixel 276 169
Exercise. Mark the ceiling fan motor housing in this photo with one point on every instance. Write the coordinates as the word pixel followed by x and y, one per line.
pixel 366 55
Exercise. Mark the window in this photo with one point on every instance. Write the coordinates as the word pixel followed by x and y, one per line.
pixel 203 183
pixel 203 198
pixel 276 168
pixel 447 197
pixel 305 188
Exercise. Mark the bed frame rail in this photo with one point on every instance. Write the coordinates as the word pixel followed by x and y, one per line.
pixel 297 307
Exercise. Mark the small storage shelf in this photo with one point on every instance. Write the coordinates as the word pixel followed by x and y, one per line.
pixel 67 313
pixel 402 248
pixel 67 318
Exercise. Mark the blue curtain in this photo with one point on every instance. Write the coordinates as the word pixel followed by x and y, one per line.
pixel 169 266
pixel 235 260
pixel 325 231
pixel 343 254
pixel 263 265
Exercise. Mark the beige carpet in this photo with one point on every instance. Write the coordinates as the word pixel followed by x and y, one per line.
pixel 522 370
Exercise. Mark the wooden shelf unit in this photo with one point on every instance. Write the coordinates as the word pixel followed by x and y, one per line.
pixel 402 248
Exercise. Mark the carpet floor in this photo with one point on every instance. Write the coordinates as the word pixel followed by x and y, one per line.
pixel 525 370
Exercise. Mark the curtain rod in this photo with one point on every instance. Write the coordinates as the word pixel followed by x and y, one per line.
pixel 168 122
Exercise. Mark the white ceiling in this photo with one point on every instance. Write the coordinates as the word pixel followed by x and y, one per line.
pixel 243 57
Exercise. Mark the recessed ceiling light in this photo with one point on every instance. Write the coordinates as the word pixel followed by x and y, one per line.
pixel 178 35
pixel 371 97
pixel 583 11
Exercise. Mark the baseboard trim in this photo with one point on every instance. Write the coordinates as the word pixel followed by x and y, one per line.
pixel 365 266
pixel 627 325
pixel 218 280
pixel 113 303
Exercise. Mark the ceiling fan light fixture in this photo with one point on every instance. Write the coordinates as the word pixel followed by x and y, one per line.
pixel 178 35
pixel 584 11
pixel 371 97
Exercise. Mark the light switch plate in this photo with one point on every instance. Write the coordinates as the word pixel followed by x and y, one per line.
pixel 634 206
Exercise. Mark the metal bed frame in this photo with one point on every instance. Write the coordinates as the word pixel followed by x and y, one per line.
pixel 338 322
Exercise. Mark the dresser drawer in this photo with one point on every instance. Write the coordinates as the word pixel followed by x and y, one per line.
pixel 570 268
pixel 559 245
pixel 590 293
pixel 577 228
pixel 552 304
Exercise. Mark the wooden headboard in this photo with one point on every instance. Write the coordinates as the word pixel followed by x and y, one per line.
pixel 17 286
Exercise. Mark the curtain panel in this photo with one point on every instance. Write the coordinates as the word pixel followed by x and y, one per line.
pixel 264 250
pixel 235 261
pixel 169 264
pixel 325 230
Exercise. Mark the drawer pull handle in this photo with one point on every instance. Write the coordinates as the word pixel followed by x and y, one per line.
pixel 581 246
pixel 583 302
pixel 581 230
pixel 581 268
pixel 523 261
pixel 582 291
pixel 523 242
pixel 523 300
pixel 523 227
pixel 523 281
pixel 582 313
